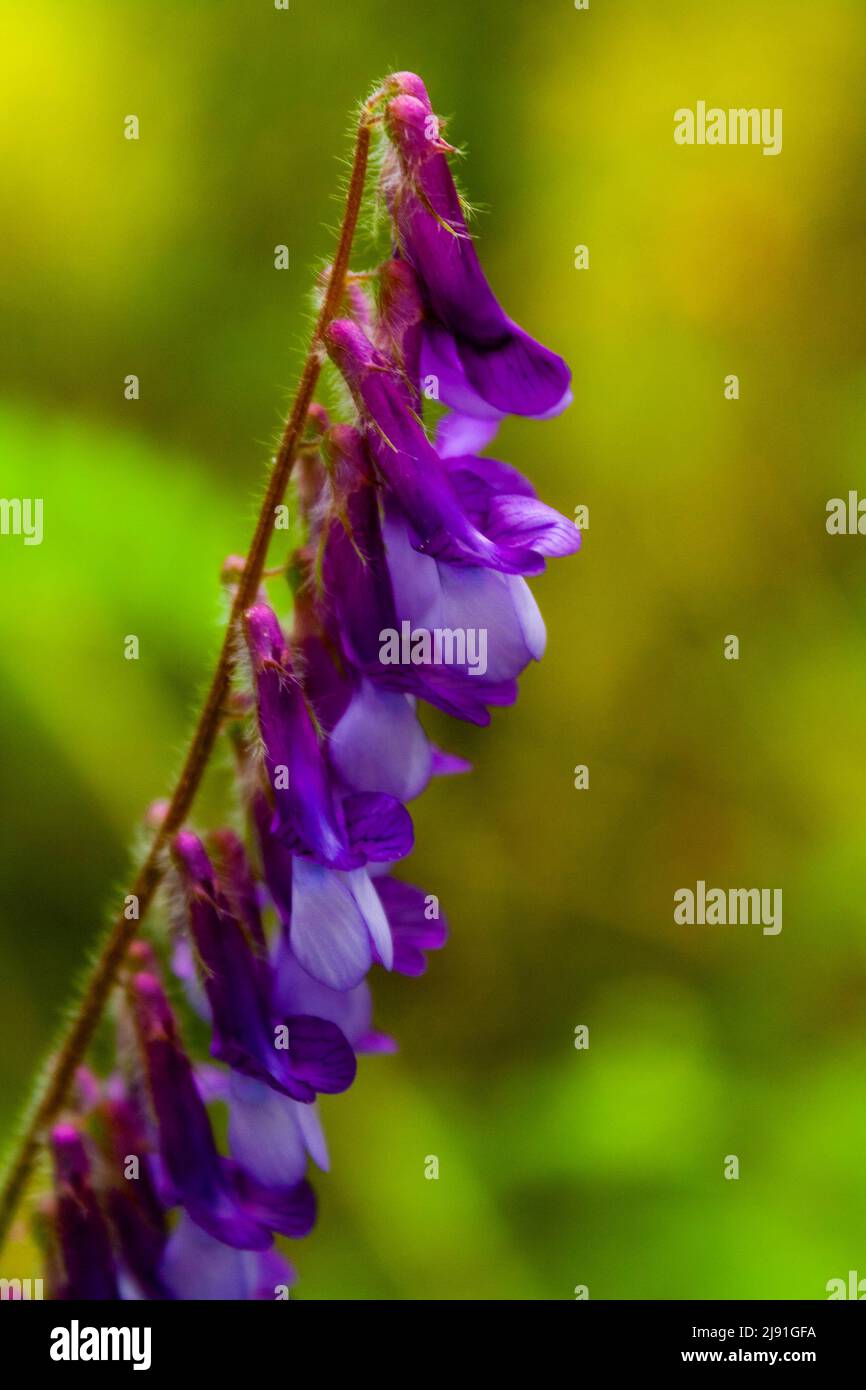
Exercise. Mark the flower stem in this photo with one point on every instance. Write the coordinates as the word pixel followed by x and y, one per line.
pixel 83 1023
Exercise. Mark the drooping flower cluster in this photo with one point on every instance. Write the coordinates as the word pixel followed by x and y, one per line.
pixel 409 588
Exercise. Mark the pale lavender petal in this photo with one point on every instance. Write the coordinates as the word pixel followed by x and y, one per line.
pixel 458 434
pixel 264 1132
pixel 198 1267
pixel 329 934
pixel 379 746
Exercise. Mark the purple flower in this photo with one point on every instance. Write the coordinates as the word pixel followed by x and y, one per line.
pixel 196 1266
pixel 372 740
pixel 360 584
pixel 430 596
pixel 311 816
pixel 408 587
pixel 416 926
pixel 351 1009
pixel 236 882
pixel 338 929
pixel 498 498
pixel 136 1213
pixel 333 919
pixel 412 469
pixel 269 1135
pixel 485 363
pixel 378 744
pixel 86 1260
pixel 195 1175
pixel 298 1054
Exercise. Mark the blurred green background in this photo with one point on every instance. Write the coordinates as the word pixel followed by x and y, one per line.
pixel 557 1167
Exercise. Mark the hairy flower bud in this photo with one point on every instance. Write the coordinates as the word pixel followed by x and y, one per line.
pixel 84 1247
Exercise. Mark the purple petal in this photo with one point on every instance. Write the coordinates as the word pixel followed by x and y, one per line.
pixel 290 1210
pixel 136 1212
pixel 329 932
pixel 506 368
pixel 277 861
pixel 440 360
pixel 379 826
pixel 314 1136
pixel 328 690
pixel 460 435
pixel 236 882
pixel 239 987
pixel 264 1133
pixel 512 372
pixel 430 596
pixel 195 1174
pixel 379 746
pixel 378 1043
pixel 400 323
pixel 526 521
pixel 409 464
pixel 184 967
pixel 413 929
pixel 355 576
pixel 448 764
pixel 307 816
pixel 140 1243
pixel 88 1270
pixel 299 992
pixel 196 1266
pixel 377 923
pixel 320 1055
pixel 500 605
pixel 478 480
pixel 233 978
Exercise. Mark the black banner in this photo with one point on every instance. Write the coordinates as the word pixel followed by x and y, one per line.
pixel 64 1339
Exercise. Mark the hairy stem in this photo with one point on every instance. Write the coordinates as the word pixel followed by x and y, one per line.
pixel 83 1023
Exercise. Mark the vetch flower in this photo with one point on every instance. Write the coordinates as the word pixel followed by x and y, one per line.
pixel 486 364
pixel 197 1266
pixel 86 1264
pixel 136 1213
pixel 332 919
pixel 415 923
pixel 298 1054
pixel 361 583
pixel 408 583
pixel 421 484
pixel 338 928
pixel 351 1009
pixel 215 1193
pixel 312 817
